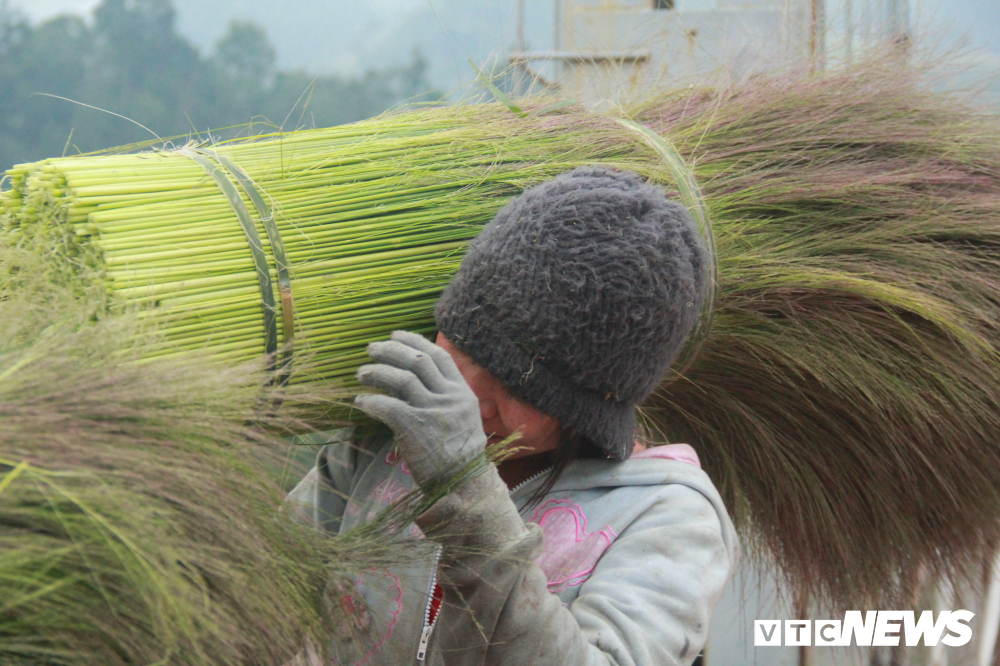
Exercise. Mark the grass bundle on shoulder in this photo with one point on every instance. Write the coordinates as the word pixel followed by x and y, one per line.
pixel 137 523
pixel 846 397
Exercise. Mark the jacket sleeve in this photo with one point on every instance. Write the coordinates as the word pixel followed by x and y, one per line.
pixel 321 496
pixel 648 601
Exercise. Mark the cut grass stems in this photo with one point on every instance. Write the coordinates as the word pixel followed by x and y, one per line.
pixel 138 521
pixel 847 398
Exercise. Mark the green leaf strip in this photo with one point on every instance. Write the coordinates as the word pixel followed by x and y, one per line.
pixel 499 94
pixel 280 259
pixel 256 249
pixel 12 475
pixel 694 201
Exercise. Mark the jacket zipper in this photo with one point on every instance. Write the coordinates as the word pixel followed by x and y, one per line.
pixel 529 480
pixel 425 634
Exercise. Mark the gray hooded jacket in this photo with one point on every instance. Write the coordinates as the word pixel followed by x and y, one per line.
pixel 620 564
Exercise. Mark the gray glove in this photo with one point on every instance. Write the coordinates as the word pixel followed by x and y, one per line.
pixel 429 406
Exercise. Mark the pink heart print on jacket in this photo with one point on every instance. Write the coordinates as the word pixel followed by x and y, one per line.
pixel 571 551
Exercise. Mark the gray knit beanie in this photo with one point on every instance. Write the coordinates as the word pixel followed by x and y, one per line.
pixel 577 297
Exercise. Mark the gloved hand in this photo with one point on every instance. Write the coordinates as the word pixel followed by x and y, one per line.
pixel 429 406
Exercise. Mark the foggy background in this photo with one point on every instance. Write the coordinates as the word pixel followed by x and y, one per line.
pixel 350 36
pixel 178 66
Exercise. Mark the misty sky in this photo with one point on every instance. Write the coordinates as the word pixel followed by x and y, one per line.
pixel 349 36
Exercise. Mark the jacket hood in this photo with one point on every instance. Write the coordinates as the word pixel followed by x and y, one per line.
pixel 670 463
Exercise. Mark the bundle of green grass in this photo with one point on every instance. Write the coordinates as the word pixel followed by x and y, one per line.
pixel 138 523
pixel 846 395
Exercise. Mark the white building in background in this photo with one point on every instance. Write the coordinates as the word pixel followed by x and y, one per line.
pixel 604 47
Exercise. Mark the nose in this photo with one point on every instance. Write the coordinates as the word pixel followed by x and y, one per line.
pixel 488 409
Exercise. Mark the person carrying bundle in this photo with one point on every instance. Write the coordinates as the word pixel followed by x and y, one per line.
pixel 582 547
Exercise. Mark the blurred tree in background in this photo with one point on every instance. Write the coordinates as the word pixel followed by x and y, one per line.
pixel 130 60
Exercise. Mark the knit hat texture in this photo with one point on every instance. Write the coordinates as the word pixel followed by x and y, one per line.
pixel 578 295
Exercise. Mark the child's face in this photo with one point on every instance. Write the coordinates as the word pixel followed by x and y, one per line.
pixel 502 413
